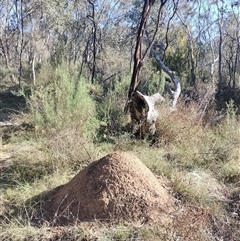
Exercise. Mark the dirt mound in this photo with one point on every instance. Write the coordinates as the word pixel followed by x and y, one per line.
pixel 116 187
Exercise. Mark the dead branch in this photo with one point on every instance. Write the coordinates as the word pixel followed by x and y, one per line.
pixel 8 123
pixel 157 50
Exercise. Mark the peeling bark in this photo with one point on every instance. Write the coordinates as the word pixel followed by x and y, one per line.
pixel 143 111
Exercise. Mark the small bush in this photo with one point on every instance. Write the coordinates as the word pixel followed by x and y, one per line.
pixel 61 105
pixel 111 110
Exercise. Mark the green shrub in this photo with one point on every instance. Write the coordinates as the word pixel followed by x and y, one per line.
pixel 111 110
pixel 60 105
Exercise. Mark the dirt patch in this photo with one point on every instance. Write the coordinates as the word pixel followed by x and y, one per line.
pixel 116 187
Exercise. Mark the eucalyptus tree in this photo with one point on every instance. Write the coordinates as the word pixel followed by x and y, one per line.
pixel 107 26
pixel 18 31
pixel 186 14
pixel 25 31
pixel 9 36
pixel 220 19
pixel 141 107
pixel 231 54
pixel 207 51
pixel 227 38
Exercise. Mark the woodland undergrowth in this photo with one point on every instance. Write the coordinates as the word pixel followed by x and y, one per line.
pixel 73 123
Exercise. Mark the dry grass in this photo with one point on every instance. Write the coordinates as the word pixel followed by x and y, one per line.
pixel 200 163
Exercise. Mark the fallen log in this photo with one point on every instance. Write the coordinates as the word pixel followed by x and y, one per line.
pixel 9 123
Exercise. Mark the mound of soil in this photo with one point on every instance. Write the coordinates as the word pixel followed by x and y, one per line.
pixel 116 187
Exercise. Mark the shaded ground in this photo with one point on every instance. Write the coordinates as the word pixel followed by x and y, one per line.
pixel 10 104
pixel 116 187
pixel 226 95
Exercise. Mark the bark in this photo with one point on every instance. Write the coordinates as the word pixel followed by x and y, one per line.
pixel 143 111
pixel 4 51
pixel 94 33
pixel 33 70
pixel 9 123
pixel 138 60
pixel 212 64
pixel 21 45
pixel 220 59
pixel 220 45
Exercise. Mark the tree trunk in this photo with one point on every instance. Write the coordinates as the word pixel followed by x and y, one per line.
pixel 94 33
pixel 220 80
pixel 20 70
pixel 33 70
pixel 190 50
pixel 220 26
pixel 192 62
pixel 138 61
pixel 142 108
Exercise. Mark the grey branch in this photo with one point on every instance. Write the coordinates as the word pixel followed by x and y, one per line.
pixel 177 87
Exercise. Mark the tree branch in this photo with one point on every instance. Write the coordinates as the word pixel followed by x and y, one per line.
pixel 177 87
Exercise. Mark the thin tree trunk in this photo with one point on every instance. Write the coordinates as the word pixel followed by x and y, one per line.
pixel 220 80
pixel 33 70
pixel 235 65
pixel 138 50
pixel 94 31
pixel 4 54
pixel 192 61
pixel 21 45
pixel 220 25
pixel 190 49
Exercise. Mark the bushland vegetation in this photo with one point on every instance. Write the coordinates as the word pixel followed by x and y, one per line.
pixel 64 86
pixel 66 129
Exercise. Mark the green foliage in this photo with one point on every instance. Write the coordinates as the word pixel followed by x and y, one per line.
pixel 111 109
pixel 176 61
pixel 231 119
pixel 176 56
pixel 153 81
pixel 198 163
pixel 44 73
pixel 60 104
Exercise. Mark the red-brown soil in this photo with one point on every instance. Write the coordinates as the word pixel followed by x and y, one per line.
pixel 116 187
